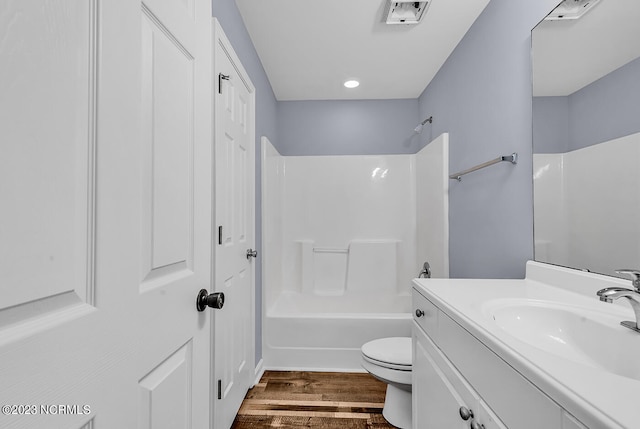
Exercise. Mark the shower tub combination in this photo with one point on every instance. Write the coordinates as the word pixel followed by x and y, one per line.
pixel 342 238
pixel 326 333
pixel 347 297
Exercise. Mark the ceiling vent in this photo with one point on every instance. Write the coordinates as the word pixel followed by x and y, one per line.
pixel 405 12
pixel 571 9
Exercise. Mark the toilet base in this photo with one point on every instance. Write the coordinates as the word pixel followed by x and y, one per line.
pixel 397 406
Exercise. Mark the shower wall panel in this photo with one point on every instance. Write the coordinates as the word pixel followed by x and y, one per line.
pixel 344 208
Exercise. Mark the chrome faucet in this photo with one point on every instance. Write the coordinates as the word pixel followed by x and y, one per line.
pixel 611 294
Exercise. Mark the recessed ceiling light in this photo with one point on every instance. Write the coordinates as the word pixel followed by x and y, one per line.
pixel 351 83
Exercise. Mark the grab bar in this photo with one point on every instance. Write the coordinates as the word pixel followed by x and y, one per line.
pixel 513 158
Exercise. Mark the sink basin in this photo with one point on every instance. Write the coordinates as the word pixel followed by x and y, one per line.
pixel 577 333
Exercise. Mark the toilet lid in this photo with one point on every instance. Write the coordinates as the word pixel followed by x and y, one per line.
pixel 395 350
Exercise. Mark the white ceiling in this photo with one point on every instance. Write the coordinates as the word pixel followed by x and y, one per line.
pixel 309 48
pixel 568 55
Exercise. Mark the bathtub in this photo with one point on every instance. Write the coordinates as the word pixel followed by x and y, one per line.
pixel 324 333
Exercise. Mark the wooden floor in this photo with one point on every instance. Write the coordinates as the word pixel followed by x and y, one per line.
pixel 327 400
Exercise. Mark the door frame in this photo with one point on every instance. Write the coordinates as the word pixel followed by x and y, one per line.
pixel 220 39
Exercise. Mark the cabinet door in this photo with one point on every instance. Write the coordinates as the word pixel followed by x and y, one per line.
pixel 486 417
pixel 436 403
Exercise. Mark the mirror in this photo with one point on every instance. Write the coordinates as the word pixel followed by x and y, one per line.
pixel 586 135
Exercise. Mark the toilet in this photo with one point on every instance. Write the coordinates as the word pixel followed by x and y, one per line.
pixel 389 360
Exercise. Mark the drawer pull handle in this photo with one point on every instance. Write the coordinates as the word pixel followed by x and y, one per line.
pixel 466 413
pixel 419 313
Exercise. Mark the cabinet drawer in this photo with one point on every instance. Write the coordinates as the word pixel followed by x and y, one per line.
pixel 425 314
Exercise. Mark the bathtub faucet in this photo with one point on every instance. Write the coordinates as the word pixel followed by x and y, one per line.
pixel 426 271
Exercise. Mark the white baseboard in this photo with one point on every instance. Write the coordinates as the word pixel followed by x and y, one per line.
pixel 314 369
pixel 259 371
pixel 313 359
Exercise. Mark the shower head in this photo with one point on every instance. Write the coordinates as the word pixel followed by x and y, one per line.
pixel 418 129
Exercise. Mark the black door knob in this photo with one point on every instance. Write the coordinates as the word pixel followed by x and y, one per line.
pixel 206 299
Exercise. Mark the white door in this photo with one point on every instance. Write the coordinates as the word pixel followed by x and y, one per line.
pixel 105 200
pixel 234 274
pixel 174 345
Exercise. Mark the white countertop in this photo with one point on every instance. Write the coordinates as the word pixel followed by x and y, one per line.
pixel 598 398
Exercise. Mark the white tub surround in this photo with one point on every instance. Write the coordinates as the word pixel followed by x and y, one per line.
pixel 342 238
pixel 432 205
pixel 538 352
pixel 325 333
pixel 574 193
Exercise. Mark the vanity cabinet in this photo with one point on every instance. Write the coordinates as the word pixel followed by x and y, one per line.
pixel 453 369
pixel 440 393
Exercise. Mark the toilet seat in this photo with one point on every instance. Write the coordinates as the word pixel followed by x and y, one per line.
pixel 389 360
pixel 392 353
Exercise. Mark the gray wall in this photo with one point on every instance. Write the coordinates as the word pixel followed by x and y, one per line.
pixel 551 124
pixel 606 109
pixel 482 97
pixel 360 127
pixel 266 112
pixel 603 110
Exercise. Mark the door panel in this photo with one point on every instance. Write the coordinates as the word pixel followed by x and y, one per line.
pixel 106 182
pixel 158 406
pixel 241 190
pixel 43 165
pixel 179 17
pixel 234 151
pixel 168 148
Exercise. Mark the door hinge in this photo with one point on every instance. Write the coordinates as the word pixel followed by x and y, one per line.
pixel 220 389
pixel 221 77
pixel 220 234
